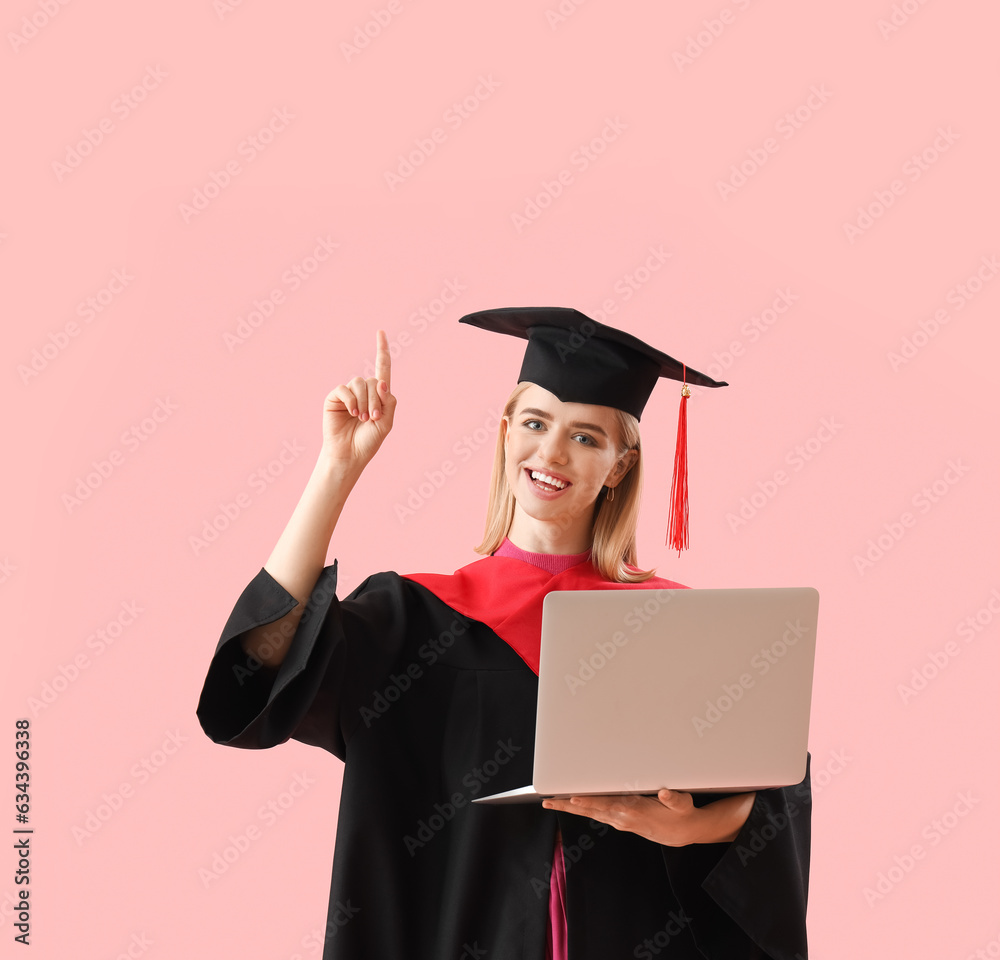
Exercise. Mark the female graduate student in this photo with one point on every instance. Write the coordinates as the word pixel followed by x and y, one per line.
pixel 425 685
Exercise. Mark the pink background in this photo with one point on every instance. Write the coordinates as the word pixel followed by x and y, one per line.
pixel 665 135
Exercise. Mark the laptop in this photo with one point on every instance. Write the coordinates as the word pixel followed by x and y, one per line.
pixel 696 690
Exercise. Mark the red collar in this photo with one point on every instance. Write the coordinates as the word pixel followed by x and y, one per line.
pixel 507 594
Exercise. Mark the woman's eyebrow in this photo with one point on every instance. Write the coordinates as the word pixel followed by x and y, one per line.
pixel 534 411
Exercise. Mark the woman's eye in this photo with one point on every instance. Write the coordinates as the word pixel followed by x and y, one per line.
pixel 536 425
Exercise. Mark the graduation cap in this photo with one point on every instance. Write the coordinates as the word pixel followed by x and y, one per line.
pixel 583 361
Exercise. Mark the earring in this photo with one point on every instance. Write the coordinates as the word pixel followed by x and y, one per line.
pixel 611 493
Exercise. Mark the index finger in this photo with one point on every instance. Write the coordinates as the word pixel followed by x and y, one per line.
pixel 382 359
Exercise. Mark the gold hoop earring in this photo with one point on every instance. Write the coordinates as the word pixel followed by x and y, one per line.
pixel 610 494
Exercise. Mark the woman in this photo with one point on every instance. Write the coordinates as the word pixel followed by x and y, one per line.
pixel 425 686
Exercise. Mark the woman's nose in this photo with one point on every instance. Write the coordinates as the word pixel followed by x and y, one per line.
pixel 553 447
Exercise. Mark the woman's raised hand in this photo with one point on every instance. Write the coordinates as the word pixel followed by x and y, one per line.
pixel 357 416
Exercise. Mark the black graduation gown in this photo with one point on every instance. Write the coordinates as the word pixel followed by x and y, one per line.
pixel 428 709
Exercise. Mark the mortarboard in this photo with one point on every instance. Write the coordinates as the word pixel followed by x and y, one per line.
pixel 583 361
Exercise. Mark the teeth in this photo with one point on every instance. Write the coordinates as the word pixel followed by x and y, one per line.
pixel 545 478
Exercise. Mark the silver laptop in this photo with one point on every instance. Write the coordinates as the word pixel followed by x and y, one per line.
pixel 699 690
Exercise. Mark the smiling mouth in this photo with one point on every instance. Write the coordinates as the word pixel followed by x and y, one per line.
pixel 547 482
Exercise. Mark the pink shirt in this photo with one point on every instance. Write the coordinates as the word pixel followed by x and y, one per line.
pixel 556 947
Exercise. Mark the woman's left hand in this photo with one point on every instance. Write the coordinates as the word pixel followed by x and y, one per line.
pixel 669 818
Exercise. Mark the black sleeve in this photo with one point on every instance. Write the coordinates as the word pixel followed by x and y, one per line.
pixel 748 897
pixel 340 651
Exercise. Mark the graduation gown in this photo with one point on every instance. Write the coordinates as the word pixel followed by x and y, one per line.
pixel 426 686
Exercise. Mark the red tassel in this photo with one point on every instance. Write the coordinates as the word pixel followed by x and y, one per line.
pixel 677 529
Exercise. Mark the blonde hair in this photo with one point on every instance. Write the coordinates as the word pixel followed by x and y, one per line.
pixel 614 521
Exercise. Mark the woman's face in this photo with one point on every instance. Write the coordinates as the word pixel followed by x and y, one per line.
pixel 573 444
